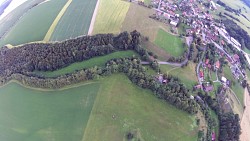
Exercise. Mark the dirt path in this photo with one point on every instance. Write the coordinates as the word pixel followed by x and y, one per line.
pixel 245 122
pixel 91 27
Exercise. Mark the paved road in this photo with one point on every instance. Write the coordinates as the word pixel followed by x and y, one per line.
pixel 228 55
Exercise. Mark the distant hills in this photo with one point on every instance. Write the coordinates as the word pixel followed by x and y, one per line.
pixel 4 5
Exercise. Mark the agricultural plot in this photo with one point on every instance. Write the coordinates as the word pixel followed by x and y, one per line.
pixel 97 61
pixel 75 21
pixel 236 87
pixel 187 74
pixel 33 115
pixel 122 107
pixel 110 16
pixel 170 43
pixel 34 24
pixel 138 18
pixel 12 18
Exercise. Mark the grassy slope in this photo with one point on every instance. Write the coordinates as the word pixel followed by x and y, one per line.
pixel 97 61
pixel 34 25
pixel 135 109
pixel 171 44
pixel 110 16
pixel 8 21
pixel 236 87
pixel 32 115
pixel 187 75
pixel 75 21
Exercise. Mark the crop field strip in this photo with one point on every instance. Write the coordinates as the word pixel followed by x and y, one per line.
pixel 34 25
pixel 12 18
pixel 75 21
pixel 34 115
pixel 110 16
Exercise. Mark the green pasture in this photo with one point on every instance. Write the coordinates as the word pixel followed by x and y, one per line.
pixel 32 115
pixel 170 43
pixel 75 21
pixel 236 87
pixel 122 107
pixel 12 18
pixel 97 61
pixel 187 74
pixel 34 25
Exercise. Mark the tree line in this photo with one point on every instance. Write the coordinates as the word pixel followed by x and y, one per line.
pixel 53 56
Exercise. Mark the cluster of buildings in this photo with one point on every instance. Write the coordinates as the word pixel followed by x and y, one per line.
pixel 167 10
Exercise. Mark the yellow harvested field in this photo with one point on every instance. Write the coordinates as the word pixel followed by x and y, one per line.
pixel 110 16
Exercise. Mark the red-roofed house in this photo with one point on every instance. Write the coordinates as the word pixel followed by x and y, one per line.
pixel 236 57
pixel 217 64
pixel 213 136
pixel 207 61
pixel 201 74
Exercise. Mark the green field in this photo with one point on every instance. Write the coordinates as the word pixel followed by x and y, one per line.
pixel 12 18
pixel 187 74
pixel 105 110
pixel 34 25
pixel 170 43
pixel 121 107
pixel 75 21
pixel 31 115
pixel 110 16
pixel 236 87
pixel 97 61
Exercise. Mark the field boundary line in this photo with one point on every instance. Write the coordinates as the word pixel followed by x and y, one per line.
pixel 55 22
pixel 50 90
pixel 92 23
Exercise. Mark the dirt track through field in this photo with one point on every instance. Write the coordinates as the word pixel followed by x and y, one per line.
pixel 91 27
pixel 245 122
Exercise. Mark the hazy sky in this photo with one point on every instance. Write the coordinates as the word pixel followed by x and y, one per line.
pixel 13 5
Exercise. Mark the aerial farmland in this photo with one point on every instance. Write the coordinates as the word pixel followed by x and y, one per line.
pixel 111 70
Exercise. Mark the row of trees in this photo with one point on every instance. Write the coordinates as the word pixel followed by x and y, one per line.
pixel 173 92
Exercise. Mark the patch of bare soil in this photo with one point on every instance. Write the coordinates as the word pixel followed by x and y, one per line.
pixel 245 122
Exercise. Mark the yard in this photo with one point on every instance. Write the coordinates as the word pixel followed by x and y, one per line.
pixel 33 115
pixel 170 43
pixel 122 107
pixel 75 21
pixel 110 16
pixel 97 61
pixel 34 25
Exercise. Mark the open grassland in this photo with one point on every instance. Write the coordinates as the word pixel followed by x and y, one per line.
pixel 110 16
pixel 138 18
pixel 97 61
pixel 170 43
pixel 236 87
pixel 75 21
pixel 77 114
pixel 33 115
pixel 12 18
pixel 34 25
pixel 122 107
pixel 187 74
